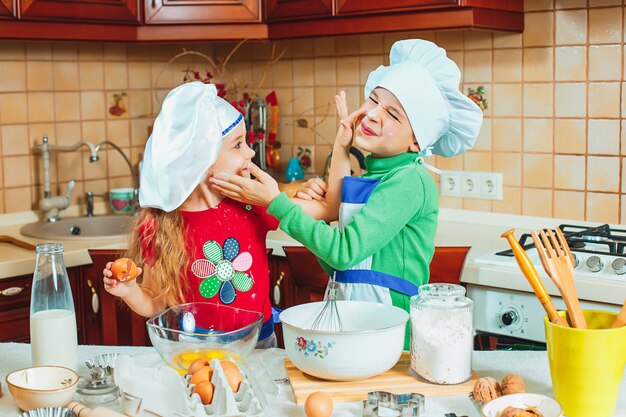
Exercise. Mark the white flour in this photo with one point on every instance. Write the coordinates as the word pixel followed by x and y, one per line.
pixel 442 343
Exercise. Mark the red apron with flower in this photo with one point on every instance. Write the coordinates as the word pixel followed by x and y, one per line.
pixel 228 262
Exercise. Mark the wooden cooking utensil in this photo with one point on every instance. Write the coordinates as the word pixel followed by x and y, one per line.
pixel 83 411
pixel 558 262
pixel 620 320
pixel 529 271
pixel 16 242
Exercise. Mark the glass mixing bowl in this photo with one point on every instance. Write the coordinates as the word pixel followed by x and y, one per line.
pixel 183 333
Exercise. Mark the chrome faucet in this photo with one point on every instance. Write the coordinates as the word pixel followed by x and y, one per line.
pixel 89 202
pixel 52 205
pixel 130 167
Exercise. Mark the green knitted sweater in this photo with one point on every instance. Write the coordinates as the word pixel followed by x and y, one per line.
pixel 396 226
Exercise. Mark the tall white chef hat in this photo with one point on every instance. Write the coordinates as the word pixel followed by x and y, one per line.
pixel 185 141
pixel 426 82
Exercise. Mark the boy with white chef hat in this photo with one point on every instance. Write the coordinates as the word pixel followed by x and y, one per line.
pixel 383 246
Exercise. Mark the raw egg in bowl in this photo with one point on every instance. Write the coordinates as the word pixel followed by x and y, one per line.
pixel 185 333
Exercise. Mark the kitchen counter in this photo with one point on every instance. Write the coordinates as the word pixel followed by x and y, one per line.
pixel 480 230
pixel 532 366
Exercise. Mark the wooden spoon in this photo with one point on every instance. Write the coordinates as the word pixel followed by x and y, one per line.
pixel 529 271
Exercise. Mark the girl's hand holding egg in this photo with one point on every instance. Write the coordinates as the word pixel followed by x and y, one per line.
pixel 122 271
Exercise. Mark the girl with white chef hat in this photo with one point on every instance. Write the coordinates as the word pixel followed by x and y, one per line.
pixel 193 244
pixel 383 246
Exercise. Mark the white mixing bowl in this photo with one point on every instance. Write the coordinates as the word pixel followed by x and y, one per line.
pixel 370 344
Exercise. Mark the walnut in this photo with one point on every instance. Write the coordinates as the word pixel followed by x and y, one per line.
pixel 486 389
pixel 512 384
pixel 520 412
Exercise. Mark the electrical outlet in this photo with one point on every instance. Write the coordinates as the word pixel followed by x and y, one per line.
pixel 471 184
pixel 450 184
pixel 491 185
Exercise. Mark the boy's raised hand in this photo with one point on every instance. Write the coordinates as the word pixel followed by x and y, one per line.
pixel 259 191
pixel 345 133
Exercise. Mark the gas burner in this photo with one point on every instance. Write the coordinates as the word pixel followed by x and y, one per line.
pixel 593 238
pixel 599 240
pixel 575 244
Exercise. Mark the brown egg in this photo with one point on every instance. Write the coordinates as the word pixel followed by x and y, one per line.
pixel 205 390
pixel 318 404
pixel 226 364
pixel 203 374
pixel 196 365
pixel 234 377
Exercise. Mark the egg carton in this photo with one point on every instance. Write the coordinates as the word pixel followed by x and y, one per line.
pixel 164 392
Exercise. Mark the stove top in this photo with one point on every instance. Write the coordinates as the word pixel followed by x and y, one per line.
pixel 598 252
pixel 594 240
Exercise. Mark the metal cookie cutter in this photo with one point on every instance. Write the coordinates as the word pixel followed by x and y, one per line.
pixel 381 403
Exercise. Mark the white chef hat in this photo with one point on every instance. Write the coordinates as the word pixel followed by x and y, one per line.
pixel 426 82
pixel 185 141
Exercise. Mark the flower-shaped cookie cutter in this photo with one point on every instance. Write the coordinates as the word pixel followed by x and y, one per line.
pixel 403 405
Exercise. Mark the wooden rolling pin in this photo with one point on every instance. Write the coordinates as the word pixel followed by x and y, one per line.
pixel 532 276
pixel 620 320
pixel 82 411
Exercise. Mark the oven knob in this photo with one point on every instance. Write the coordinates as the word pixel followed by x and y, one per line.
pixel 576 260
pixel 509 318
pixel 619 266
pixel 594 263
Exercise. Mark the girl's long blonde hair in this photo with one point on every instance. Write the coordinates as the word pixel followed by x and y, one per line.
pixel 157 242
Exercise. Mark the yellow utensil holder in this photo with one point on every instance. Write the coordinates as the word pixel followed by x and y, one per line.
pixel 587 365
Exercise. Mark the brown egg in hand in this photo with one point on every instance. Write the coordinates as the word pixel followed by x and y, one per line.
pixel 318 404
pixel 203 374
pixel 205 390
pixel 196 365
pixel 124 269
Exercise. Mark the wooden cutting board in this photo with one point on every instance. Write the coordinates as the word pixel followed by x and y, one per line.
pixel 397 380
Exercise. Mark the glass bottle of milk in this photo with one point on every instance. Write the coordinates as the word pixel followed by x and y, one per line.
pixel 53 334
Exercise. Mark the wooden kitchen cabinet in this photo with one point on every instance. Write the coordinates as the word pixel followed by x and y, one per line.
pixel 15 307
pixel 373 16
pixel 202 20
pixel 356 6
pixel 202 11
pixel 107 320
pixel 116 11
pixel 7 9
pixel 301 9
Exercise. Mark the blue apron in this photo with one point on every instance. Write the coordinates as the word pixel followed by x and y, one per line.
pixel 360 282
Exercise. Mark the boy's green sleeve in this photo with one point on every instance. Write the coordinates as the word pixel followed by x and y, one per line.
pixel 392 204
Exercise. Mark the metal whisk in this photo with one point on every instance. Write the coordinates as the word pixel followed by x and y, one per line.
pixel 328 318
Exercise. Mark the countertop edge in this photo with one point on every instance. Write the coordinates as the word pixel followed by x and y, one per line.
pixel 478 229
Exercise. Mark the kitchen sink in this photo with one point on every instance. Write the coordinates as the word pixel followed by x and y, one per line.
pixel 81 228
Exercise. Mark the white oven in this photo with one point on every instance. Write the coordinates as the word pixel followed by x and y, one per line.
pixel 504 303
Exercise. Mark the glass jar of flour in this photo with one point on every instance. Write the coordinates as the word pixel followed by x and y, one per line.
pixel 441 334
